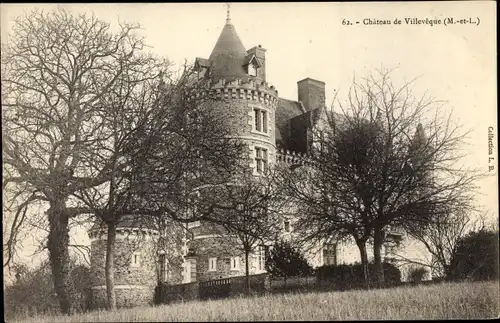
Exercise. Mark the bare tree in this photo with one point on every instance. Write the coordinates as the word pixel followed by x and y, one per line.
pixel 387 161
pixel 441 240
pixel 176 146
pixel 125 108
pixel 320 216
pixel 56 71
pixel 246 212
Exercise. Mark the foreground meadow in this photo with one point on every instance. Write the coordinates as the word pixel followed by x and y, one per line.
pixel 441 301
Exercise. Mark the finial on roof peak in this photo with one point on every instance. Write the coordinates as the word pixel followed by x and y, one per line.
pixel 228 17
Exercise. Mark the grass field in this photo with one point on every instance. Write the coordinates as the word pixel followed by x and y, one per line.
pixel 439 301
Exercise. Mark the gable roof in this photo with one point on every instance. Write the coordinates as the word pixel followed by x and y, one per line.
pixel 251 58
pixel 202 62
pixel 286 110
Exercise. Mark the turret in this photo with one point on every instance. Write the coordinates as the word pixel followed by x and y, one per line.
pixel 135 259
pixel 239 87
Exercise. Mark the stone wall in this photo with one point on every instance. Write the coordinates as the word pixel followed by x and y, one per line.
pixel 125 272
pixel 238 113
pixel 221 248
pixel 134 285
pixel 311 93
pixel 235 103
pixel 126 296
pixel 260 53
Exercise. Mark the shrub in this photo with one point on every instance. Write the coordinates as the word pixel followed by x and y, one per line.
pixel 417 274
pixel 33 291
pixel 349 276
pixel 476 257
pixel 285 261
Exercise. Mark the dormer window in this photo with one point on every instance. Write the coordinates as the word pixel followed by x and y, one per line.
pixel 252 65
pixel 252 70
pixel 201 72
pixel 201 66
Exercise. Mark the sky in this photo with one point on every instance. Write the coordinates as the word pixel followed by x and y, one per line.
pixel 455 63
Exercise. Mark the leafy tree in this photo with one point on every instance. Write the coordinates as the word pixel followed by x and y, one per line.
pixel 285 260
pixel 476 256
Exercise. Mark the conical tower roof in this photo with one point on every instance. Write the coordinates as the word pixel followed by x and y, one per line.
pixel 228 55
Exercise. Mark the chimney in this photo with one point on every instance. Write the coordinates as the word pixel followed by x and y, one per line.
pixel 260 53
pixel 311 93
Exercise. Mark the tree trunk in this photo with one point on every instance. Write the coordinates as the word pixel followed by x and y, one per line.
pixel 110 268
pixel 247 273
pixel 57 244
pixel 447 271
pixel 378 241
pixel 364 261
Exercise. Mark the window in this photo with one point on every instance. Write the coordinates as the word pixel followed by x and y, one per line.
pixel 261 255
pixel 287 226
pixel 330 254
pixel 201 72
pixel 162 263
pixel 266 251
pixel 136 259
pixel 187 272
pixel 260 119
pixel 261 159
pixel 252 70
pixel 235 263
pixel 212 264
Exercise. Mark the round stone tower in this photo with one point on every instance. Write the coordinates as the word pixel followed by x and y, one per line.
pixel 135 273
pixel 242 94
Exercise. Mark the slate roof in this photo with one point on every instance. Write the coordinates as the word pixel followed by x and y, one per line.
pixel 228 56
pixel 203 62
pixel 228 60
pixel 131 221
pixel 294 125
pixel 286 110
pixel 298 140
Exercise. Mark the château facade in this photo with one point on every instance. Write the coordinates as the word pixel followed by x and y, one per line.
pixel 276 130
